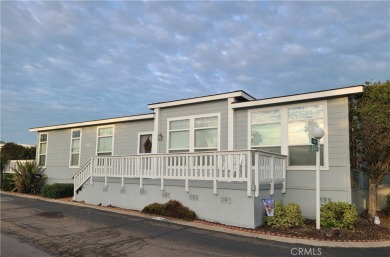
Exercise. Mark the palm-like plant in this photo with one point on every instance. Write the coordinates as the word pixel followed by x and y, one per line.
pixel 28 177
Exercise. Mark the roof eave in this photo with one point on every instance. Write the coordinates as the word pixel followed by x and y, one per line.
pixel 301 97
pixel 93 122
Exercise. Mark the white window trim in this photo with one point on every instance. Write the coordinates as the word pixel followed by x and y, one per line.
pixel 139 141
pixel 192 129
pixel 70 150
pixel 284 131
pixel 113 138
pixel 47 145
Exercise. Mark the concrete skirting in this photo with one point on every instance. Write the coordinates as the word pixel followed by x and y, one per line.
pixel 231 206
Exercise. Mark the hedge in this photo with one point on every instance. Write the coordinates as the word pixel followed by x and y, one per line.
pixel 58 190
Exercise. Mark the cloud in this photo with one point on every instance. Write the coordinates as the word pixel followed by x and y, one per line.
pixel 70 61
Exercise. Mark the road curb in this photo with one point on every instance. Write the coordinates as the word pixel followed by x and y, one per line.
pixel 216 227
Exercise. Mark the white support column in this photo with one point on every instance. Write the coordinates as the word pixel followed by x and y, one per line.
pixel 105 171
pixel 161 168
pixel 230 124
pixel 156 130
pixel 257 170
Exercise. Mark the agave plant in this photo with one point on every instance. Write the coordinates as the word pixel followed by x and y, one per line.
pixel 28 177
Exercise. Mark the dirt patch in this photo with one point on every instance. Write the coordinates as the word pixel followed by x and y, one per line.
pixel 53 215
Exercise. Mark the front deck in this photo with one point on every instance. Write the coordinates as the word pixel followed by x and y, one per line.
pixel 248 166
pixel 224 186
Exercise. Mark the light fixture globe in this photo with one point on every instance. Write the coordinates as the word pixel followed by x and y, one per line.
pixel 318 133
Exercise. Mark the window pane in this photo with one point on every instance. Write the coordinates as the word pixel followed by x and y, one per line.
pixel 206 122
pixel 179 124
pixel 266 134
pixel 303 156
pixel 265 117
pixel 300 132
pixel 145 143
pixel 105 144
pixel 75 145
pixel 105 131
pixel 42 148
pixel 74 160
pixel 306 113
pixel 43 138
pixel 179 140
pixel 76 134
pixel 42 160
pixel 206 138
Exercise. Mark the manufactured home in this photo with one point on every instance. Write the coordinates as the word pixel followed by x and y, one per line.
pixel 220 155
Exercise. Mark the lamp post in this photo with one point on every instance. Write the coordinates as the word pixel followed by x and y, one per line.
pixel 318 133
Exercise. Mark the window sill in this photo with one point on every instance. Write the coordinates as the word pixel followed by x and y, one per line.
pixel 311 168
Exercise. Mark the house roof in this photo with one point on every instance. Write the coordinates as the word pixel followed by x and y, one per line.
pixel 242 95
pixel 95 122
pixel 301 97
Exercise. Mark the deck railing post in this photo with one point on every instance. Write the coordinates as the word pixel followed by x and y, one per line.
pixel 161 161
pixel 141 182
pixel 187 189
pixel 271 191
pixel 215 174
pixel 257 171
pixel 284 175
pixel 249 172
pixel 105 171
pixel 90 167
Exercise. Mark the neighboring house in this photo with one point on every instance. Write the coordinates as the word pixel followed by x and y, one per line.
pixel 219 154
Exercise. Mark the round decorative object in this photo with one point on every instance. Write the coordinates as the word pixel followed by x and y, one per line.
pixel 318 133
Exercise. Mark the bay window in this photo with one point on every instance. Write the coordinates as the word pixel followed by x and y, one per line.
pixel 288 130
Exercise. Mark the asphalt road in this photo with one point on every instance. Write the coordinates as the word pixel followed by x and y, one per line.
pixel 65 230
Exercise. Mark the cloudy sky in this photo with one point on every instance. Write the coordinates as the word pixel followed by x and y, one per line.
pixel 73 61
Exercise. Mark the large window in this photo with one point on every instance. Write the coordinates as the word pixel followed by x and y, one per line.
pixel 196 133
pixel 42 149
pixel 105 140
pixel 75 143
pixel 288 131
pixel 301 123
pixel 266 130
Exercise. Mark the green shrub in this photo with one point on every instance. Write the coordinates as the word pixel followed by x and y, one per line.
pixel 285 216
pixel 28 177
pixel 8 184
pixel 58 190
pixel 338 214
pixel 172 209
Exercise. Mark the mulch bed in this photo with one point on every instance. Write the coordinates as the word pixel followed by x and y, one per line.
pixel 363 231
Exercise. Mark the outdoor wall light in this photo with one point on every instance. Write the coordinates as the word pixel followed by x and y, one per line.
pixel 160 137
pixel 318 133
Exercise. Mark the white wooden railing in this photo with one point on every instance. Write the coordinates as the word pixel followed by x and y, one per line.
pixel 250 166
